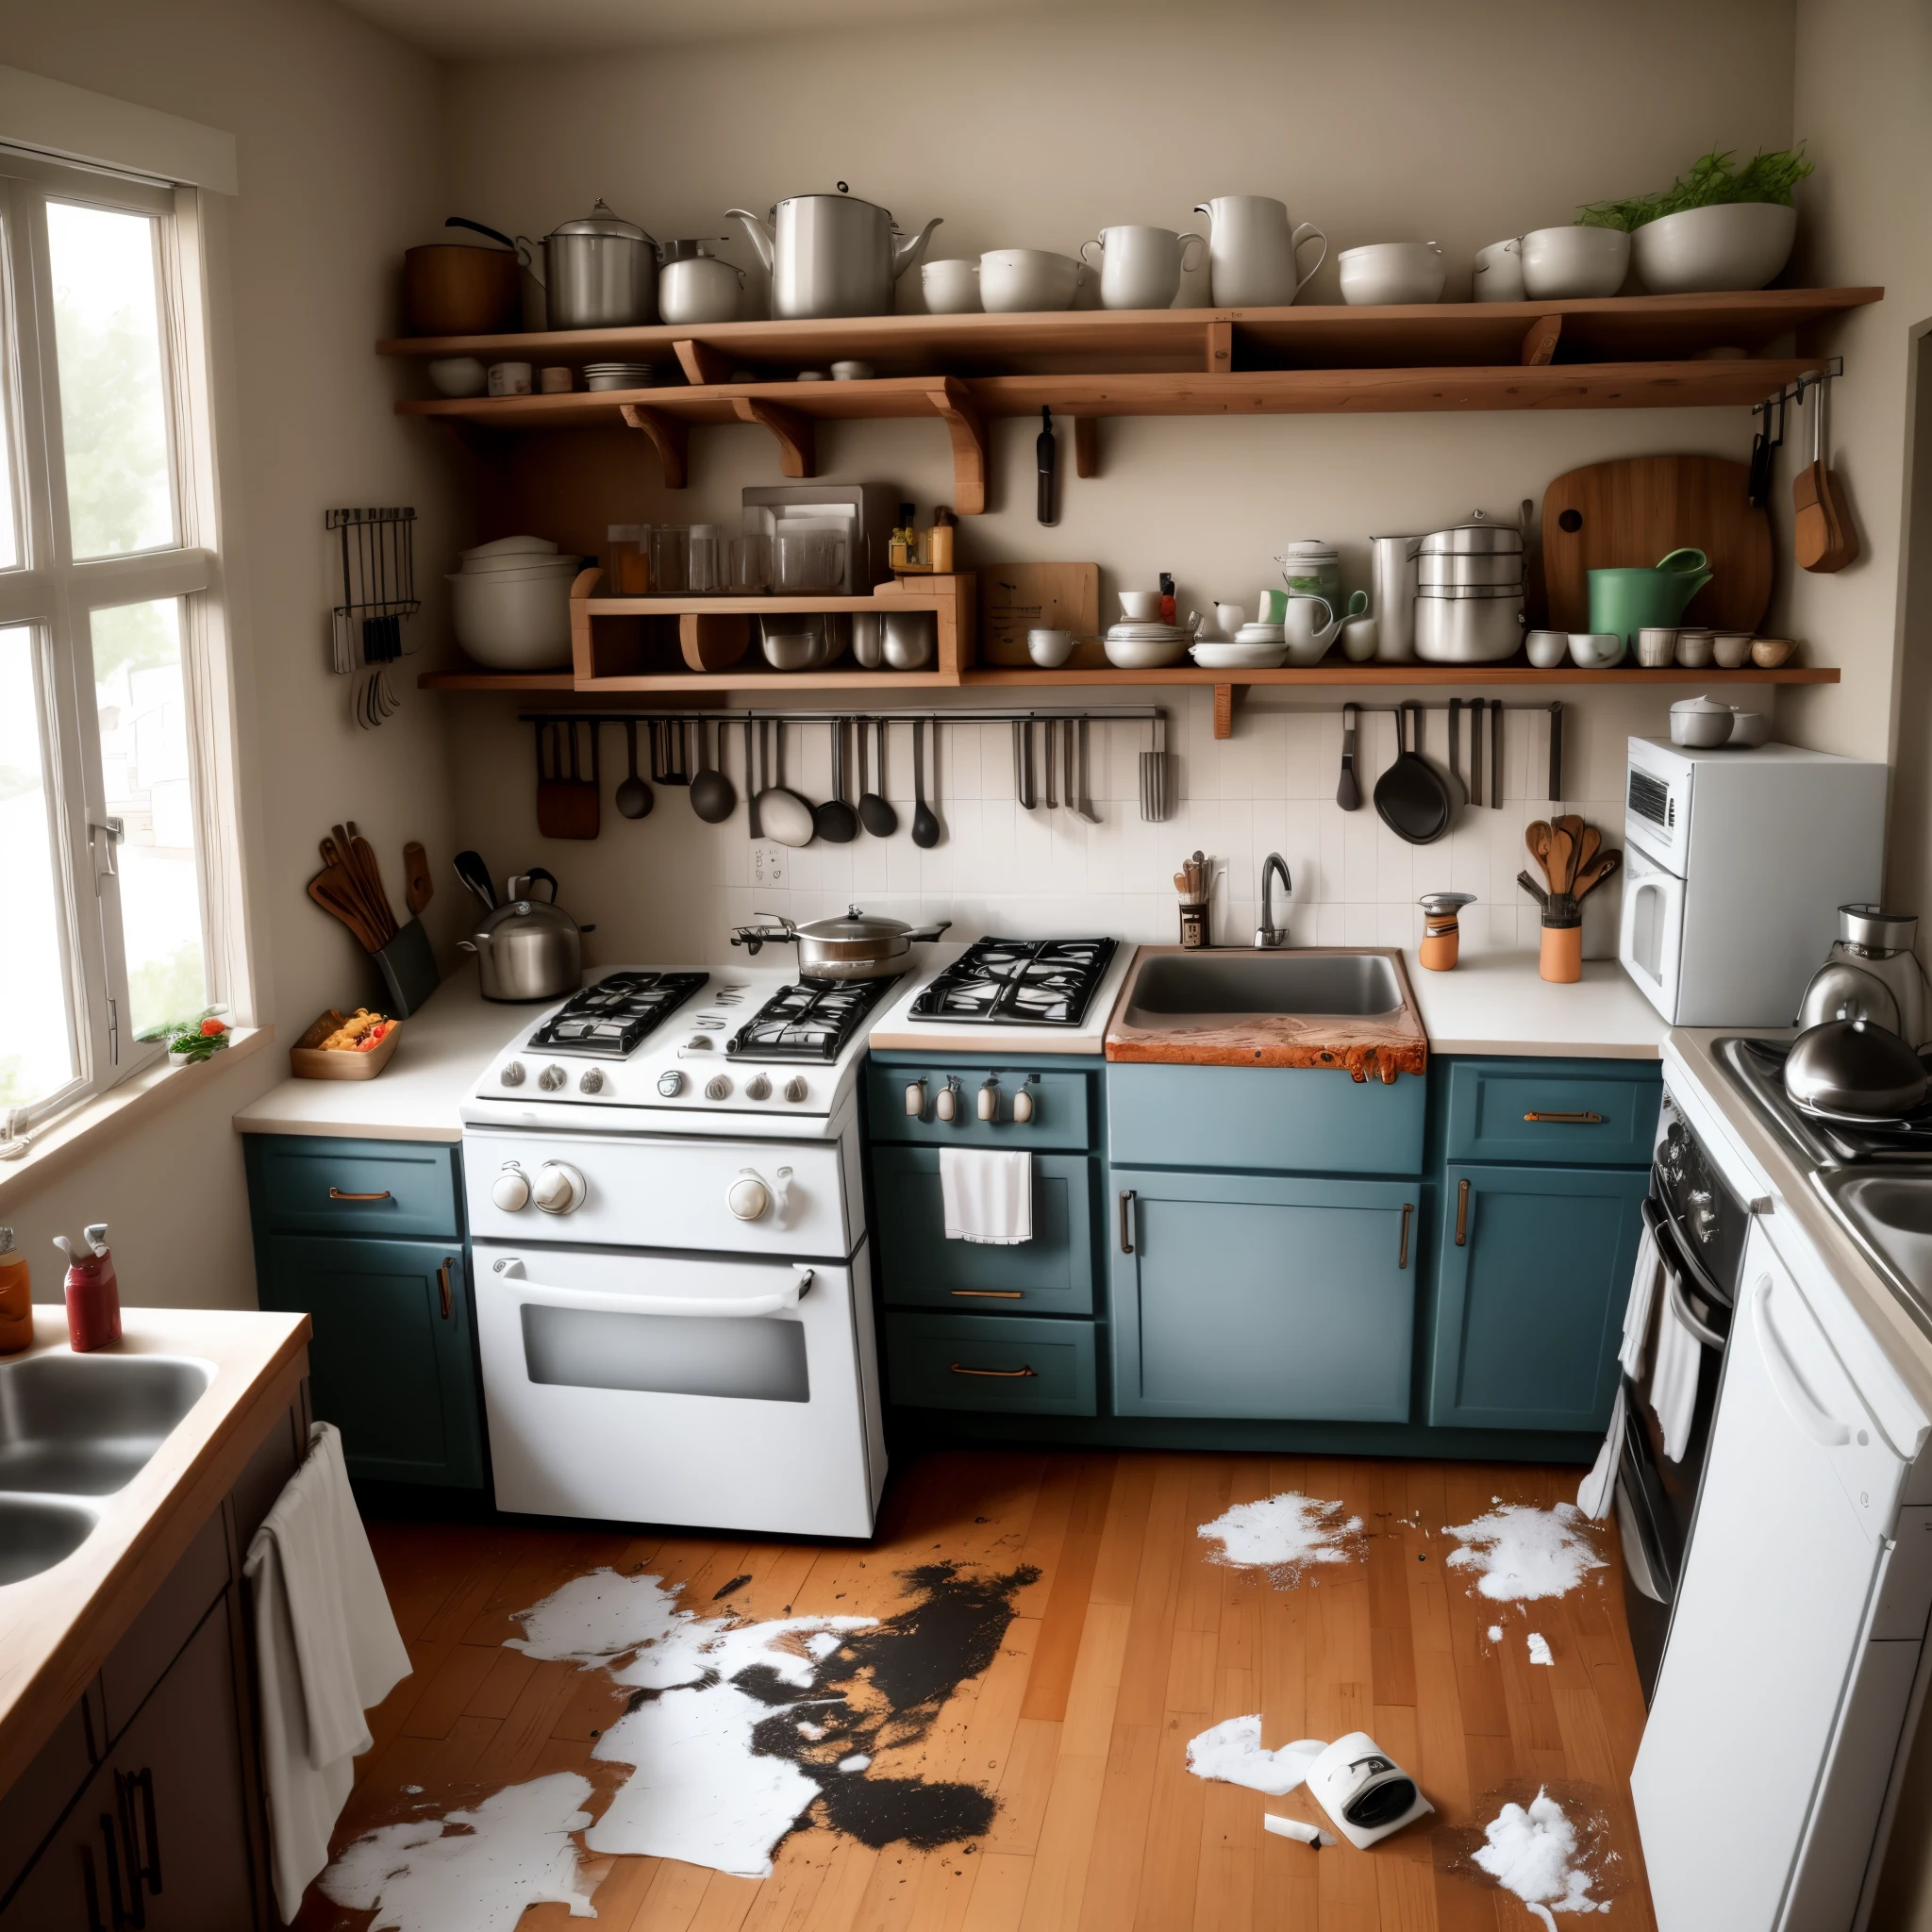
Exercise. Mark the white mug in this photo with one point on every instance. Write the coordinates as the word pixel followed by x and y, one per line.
pixel 1499 271
pixel 1230 617
pixel 1252 251
pixel 509 378
pixel 952 288
pixel 1140 267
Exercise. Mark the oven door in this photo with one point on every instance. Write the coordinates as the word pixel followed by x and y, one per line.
pixel 634 1385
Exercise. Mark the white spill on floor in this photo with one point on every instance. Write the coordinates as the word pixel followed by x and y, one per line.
pixel 473 1870
pixel 1533 1852
pixel 1284 1535
pixel 1522 1553
pixel 1232 1753
pixel 1539 1649
pixel 1495 1633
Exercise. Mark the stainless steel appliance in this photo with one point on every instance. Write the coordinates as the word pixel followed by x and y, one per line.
pixel 528 949
pixel 1469 593
pixel 850 945
pixel 599 272
pixel 1880 944
pixel 832 254
pixel 862 514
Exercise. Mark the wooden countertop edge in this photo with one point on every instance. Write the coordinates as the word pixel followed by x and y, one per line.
pixel 32 1707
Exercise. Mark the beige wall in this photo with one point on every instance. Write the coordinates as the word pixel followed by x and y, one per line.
pixel 338 131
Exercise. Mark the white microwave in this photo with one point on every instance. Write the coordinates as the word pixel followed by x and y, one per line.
pixel 1735 863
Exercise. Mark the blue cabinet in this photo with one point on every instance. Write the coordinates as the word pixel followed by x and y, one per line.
pixel 998 1364
pixel 1534 1266
pixel 1249 1296
pixel 315 1184
pixel 1582 1113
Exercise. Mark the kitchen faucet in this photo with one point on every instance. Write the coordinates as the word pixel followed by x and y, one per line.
pixel 1268 934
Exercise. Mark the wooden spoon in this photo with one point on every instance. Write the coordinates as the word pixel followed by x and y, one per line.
pixel 1587 846
pixel 1562 859
pixel 1606 865
pixel 1535 835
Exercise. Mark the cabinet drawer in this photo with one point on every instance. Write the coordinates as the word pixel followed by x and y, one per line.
pixel 1582 1113
pixel 1064 1105
pixel 1288 1120
pixel 990 1362
pixel 308 1184
pixel 1051 1274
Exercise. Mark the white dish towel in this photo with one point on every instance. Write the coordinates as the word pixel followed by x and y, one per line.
pixel 1643 1282
pixel 1596 1491
pixel 327 1648
pixel 1673 1378
pixel 988 1195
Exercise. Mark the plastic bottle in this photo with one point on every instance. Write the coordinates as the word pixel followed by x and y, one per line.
pixel 94 1296
pixel 16 1302
pixel 1167 604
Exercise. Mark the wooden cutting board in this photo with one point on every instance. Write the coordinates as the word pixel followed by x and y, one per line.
pixel 1639 508
pixel 1019 597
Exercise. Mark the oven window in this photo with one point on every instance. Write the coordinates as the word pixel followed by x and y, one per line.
pixel 747 1361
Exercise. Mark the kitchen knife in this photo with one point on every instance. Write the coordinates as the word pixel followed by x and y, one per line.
pixel 1045 457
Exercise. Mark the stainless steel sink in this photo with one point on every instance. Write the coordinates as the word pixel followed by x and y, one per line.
pixel 74 1427
pixel 1889 1216
pixel 1208 988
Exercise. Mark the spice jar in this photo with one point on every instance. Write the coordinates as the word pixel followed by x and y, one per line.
pixel 938 549
pixel 1442 933
pixel 16 1298
pixel 627 560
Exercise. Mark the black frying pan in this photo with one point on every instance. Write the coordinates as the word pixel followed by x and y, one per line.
pixel 1411 798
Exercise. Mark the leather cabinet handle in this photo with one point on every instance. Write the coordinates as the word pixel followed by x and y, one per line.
pixel 1462 1214
pixel 336 1194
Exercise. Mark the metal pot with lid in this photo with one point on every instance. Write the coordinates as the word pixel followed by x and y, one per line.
pixel 528 949
pixel 1850 1070
pixel 832 255
pixel 851 945
pixel 599 272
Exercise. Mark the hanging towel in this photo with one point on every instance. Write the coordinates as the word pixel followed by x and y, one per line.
pixel 988 1195
pixel 327 1648
pixel 1637 1309
pixel 1674 1376
pixel 1594 1493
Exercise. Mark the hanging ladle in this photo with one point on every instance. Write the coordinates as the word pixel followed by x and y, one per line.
pixel 633 796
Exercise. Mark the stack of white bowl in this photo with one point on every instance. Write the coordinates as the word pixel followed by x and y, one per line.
pixel 511 602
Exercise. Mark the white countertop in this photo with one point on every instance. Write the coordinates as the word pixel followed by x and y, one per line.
pixel 1496 1003
pixel 892 1030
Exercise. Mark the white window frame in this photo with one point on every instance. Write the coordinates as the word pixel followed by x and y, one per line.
pixel 55 596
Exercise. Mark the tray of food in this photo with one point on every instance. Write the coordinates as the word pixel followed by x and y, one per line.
pixel 336 1048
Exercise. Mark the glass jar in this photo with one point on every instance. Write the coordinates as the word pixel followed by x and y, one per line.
pixel 809 562
pixel 670 559
pixel 628 560
pixel 748 564
pixel 704 559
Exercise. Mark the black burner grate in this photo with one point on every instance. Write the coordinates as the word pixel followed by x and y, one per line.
pixel 608 1021
pixel 1017 983
pixel 811 1021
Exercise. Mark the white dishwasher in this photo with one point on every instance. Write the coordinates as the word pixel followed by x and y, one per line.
pixel 1762 1778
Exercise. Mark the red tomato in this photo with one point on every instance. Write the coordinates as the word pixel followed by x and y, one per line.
pixel 213 1029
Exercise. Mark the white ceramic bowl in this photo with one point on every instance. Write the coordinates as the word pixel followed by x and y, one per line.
pixel 1749 728
pixel 1498 273
pixel 951 287
pixel 1140 607
pixel 458 375
pixel 1739 245
pixel 510 621
pixel 509 546
pixel 1013 280
pixel 1596 650
pixel 1226 657
pixel 1694 649
pixel 1145 654
pixel 1393 272
pixel 1546 648
pixel 1573 263
pixel 1049 649
pixel 1701 723
pixel 1360 638
pixel 1731 648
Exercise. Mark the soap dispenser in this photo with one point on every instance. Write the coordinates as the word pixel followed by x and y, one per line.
pixel 94 1296
pixel 16 1300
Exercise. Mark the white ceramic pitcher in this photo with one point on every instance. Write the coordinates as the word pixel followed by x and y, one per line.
pixel 1252 251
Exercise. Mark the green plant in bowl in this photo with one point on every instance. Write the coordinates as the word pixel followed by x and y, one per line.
pixel 1770 175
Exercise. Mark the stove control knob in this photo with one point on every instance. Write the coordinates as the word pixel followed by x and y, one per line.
pixel 592 1081
pixel 671 1083
pixel 748 1197
pixel 513 1074
pixel 1023 1106
pixel 510 1189
pixel 795 1088
pixel 718 1087
pixel 1702 1215
pixel 945 1105
pixel 551 1077
pixel 988 1104
pixel 915 1099
pixel 698 1043
pixel 560 1189
pixel 759 1087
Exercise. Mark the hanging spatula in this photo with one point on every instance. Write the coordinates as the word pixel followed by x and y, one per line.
pixel 1348 794
pixel 1822 538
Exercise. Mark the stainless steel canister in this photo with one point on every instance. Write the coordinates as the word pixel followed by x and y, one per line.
pixel 1392 575
pixel 600 271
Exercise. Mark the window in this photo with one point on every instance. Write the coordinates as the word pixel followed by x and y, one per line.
pixel 105 621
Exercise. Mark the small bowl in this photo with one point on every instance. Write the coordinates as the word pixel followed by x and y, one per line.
pixel 1140 607
pixel 1546 648
pixel 1748 729
pixel 458 375
pixel 1695 648
pixel 1731 648
pixel 1769 652
pixel 1360 638
pixel 791 650
pixel 1049 649
pixel 1596 650
pixel 1146 654
pixel 1701 723
pixel 853 372
pixel 1656 648
pixel 910 639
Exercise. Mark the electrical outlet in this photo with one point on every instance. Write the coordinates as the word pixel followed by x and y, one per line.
pixel 768 865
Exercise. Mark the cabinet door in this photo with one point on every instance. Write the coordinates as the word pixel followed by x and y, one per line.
pixel 81 1875
pixel 1536 1266
pixel 1239 1295
pixel 1051 1274
pixel 391 1363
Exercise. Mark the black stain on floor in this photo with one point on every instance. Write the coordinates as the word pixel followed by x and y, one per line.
pixel 725 1590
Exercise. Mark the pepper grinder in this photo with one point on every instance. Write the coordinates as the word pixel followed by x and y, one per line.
pixel 1442 933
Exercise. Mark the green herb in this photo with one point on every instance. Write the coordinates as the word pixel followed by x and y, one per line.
pixel 1768 176
pixel 186 1040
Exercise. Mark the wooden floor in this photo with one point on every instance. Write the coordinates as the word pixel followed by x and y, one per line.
pixel 1130 1642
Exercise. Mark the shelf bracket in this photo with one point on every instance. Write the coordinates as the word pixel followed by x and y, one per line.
pixel 1224 709
pixel 1220 348
pixel 797 440
pixel 1086 445
pixel 702 364
pixel 1539 341
pixel 967 429
pixel 670 434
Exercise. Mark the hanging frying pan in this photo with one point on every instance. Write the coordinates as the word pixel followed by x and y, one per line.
pixel 1411 798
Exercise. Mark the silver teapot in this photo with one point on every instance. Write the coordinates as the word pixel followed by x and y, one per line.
pixel 528 949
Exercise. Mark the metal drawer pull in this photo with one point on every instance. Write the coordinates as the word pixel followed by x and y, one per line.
pixel 1567 1119
pixel 443 1288
pixel 1462 1214
pixel 1408 1210
pixel 991 1294
pixel 1126 1220
pixel 336 1194
pixel 998 1374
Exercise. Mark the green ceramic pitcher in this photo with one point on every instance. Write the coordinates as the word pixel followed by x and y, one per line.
pixel 1629 601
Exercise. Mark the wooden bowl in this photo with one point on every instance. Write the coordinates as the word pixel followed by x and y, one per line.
pixel 309 1060
pixel 1769 652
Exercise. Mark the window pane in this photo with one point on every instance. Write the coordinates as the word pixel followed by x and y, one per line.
pixel 36 1019
pixel 144 771
pixel 113 402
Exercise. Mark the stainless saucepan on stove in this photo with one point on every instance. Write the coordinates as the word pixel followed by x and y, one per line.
pixel 853 945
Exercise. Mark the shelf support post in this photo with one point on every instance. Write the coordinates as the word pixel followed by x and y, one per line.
pixel 967 429
pixel 797 441
pixel 1220 348
pixel 1224 709
pixel 669 433
pixel 1086 445
pixel 702 364
pixel 1539 341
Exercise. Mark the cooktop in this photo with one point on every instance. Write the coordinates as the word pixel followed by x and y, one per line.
pixel 810 1019
pixel 608 1020
pixel 1017 983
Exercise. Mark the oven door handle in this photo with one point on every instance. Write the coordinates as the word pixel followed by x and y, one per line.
pixel 1665 1232
pixel 741 1308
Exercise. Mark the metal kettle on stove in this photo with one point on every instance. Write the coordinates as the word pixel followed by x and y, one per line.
pixel 1871 974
